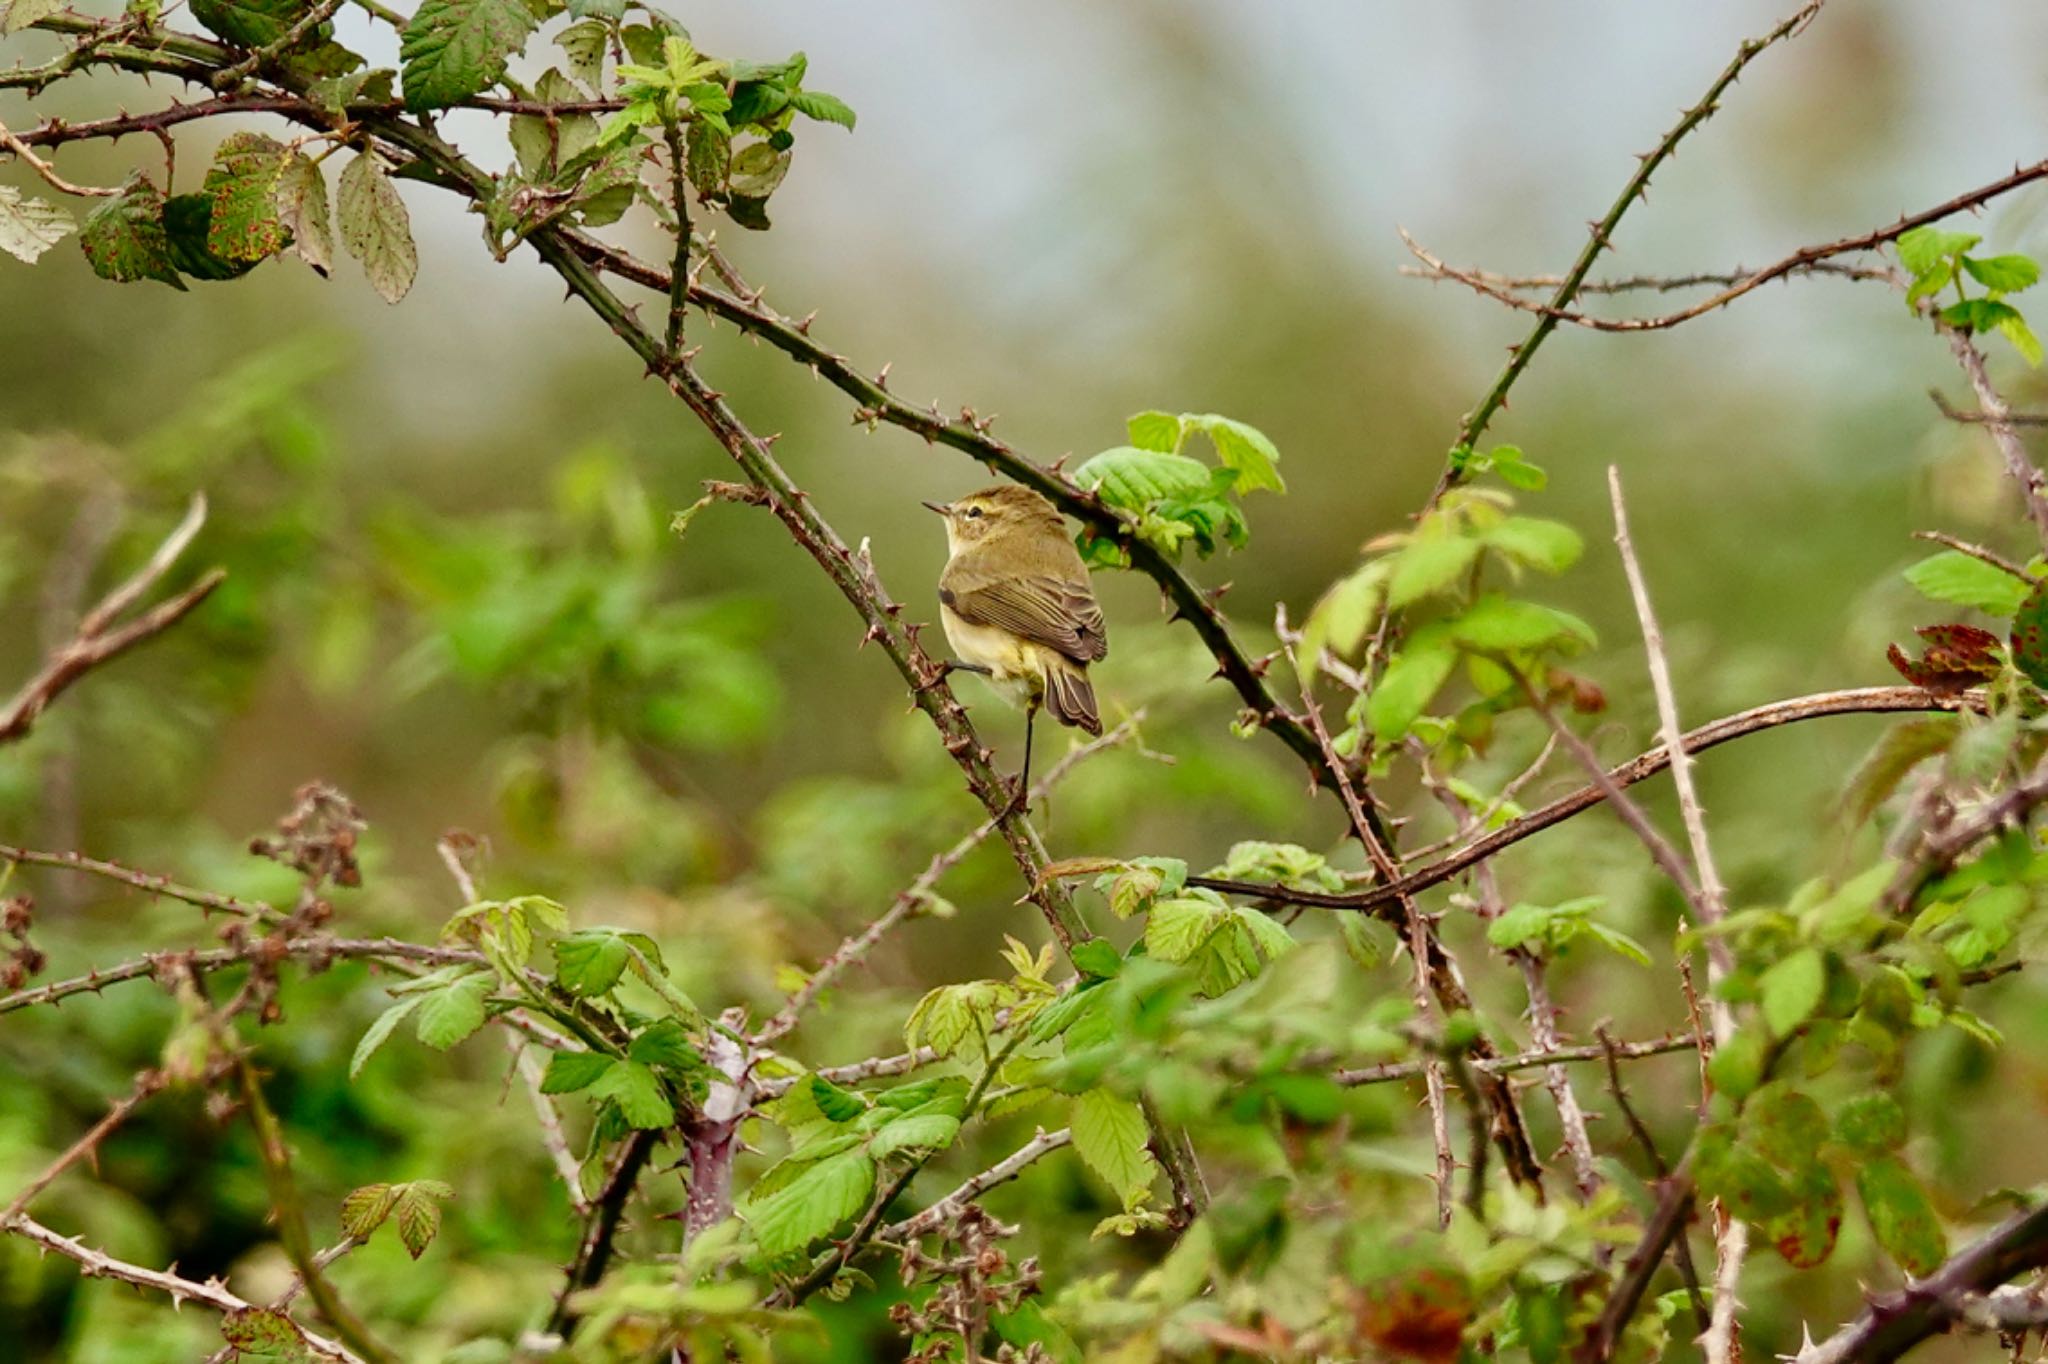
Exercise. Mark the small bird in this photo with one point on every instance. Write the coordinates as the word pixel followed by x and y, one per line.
pixel 1018 607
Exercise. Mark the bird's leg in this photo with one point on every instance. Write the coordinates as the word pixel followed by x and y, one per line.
pixel 946 667
pixel 1020 803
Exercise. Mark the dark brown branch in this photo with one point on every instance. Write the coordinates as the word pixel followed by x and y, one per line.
pixel 594 1251
pixel 876 403
pixel 1895 1322
pixel 1667 1223
pixel 1855 701
pixel 1681 1248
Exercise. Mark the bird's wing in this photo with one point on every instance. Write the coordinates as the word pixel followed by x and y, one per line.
pixel 1057 612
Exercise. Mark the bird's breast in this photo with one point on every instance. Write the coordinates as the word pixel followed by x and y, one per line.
pixel 1014 665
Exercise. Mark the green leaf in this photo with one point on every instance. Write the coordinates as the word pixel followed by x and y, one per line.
pixel 2003 274
pixel 1109 1135
pixel 302 209
pixel 569 1071
pixel 1516 471
pixel 29 227
pixel 243 182
pixel 2030 636
pixel 1738 1064
pixel 376 228
pixel 1967 581
pixel 1901 1215
pixel 250 23
pixel 1429 565
pixel 1339 621
pixel 1245 450
pixel 378 1031
pixel 453 49
pixel 1931 283
pixel 188 221
pixel 757 102
pixel 125 239
pixel 758 170
pixel 638 1092
pixel 591 962
pixel 1407 685
pixel 1979 314
pixel 418 1213
pixel 1617 942
pixel 583 46
pixel 665 1043
pixel 2014 328
pixel 1792 989
pixel 543 147
pixel 365 1209
pixel 453 1012
pixel 1498 624
pixel 263 1334
pixel 1549 545
pixel 920 1131
pixel 24 13
pixel 1097 957
pixel 1871 1123
pixel 1134 479
pixel 1155 431
pixel 1923 248
pixel 813 1203
pixel 707 155
pixel 1176 929
pixel 835 1102
pixel 821 106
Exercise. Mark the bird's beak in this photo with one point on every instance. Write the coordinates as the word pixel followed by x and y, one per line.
pixel 939 507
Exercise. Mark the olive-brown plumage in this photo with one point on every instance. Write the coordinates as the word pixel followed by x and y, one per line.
pixel 1017 605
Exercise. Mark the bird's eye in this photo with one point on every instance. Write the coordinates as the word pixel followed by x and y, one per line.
pixel 974 513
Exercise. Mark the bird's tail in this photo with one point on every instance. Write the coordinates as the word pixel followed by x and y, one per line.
pixel 1069 696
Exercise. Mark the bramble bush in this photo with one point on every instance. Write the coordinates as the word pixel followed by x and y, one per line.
pixel 1316 1101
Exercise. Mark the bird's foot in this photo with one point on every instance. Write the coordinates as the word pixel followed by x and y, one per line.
pixel 946 667
pixel 1020 798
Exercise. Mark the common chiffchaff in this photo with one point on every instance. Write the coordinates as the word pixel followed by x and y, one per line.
pixel 1018 608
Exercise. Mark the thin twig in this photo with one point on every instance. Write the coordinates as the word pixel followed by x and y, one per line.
pixel 1004 1170
pixel 1771 715
pixel 1602 234
pixel 1389 1071
pixel 1680 1247
pixel 1803 260
pixel 2025 474
pixel 49 172
pixel 1629 284
pixel 551 1135
pixel 916 897
pixel 147 1084
pixel 99 639
pixel 1731 1237
pixel 1956 414
pixel 1978 552
pixel 97 1264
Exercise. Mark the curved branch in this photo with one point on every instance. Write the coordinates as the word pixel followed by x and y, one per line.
pixel 1855 701
pixel 970 436
pixel 1599 240
pixel 1806 259
pixel 1894 1323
